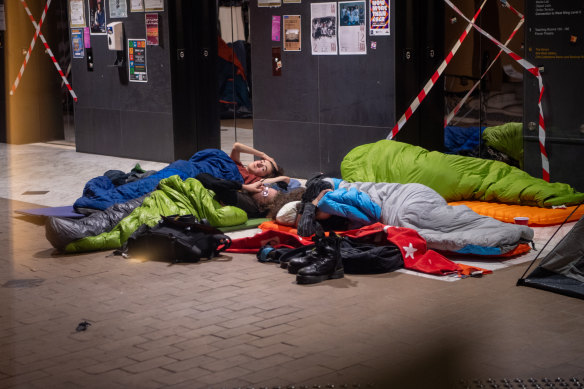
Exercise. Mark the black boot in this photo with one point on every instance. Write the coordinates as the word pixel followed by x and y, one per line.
pixel 328 266
pixel 298 263
pixel 297 259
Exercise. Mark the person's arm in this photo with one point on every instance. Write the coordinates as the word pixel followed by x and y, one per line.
pixel 225 190
pixel 239 148
pixel 307 224
pixel 268 181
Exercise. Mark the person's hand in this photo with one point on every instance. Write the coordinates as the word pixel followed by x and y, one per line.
pixel 270 159
pixel 254 187
pixel 320 196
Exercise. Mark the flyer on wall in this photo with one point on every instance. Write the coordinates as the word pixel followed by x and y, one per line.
pixel 269 3
pixel 137 60
pixel 275 28
pixel 352 29
pixel 379 17
pixel 323 28
pixel 292 37
pixel 77 43
pixel 152 33
pixel 136 6
pixel 118 9
pixel 153 5
pixel 77 12
pixel 97 21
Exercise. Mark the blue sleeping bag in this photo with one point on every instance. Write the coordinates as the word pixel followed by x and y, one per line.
pixel 100 193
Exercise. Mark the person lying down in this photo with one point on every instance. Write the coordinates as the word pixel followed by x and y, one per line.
pixel 334 204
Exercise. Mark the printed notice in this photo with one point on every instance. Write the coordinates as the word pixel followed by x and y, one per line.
pixel 352 27
pixel 118 9
pixel 379 17
pixel 558 32
pixel 77 12
pixel 137 60
pixel 152 33
pixel 323 28
pixel 275 28
pixel 136 6
pixel 292 38
pixel 269 3
pixel 77 43
pixel 153 5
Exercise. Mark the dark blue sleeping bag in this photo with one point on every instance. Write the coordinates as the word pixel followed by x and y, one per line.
pixel 100 192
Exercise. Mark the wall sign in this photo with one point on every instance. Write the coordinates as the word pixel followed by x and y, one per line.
pixel 379 17
pixel 137 60
pixel 77 43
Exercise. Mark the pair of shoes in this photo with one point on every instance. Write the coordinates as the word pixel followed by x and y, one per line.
pixel 298 262
pixel 325 262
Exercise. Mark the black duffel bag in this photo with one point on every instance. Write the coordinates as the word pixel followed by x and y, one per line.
pixel 177 239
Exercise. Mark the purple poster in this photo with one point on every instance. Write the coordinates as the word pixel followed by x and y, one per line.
pixel 87 38
pixel 275 28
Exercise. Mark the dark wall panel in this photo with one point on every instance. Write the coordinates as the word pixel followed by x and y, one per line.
pixel 295 145
pixel 321 106
pixel 138 132
pixel 337 140
pixel 105 97
pixel 100 129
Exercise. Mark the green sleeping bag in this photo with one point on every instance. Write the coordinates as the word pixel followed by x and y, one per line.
pixel 455 177
pixel 173 197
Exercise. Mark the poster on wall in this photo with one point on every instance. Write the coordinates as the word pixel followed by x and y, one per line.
pixel 352 29
pixel 275 28
pixel 77 12
pixel 137 60
pixel 118 9
pixel 269 3
pixel 136 6
pixel 292 33
pixel 77 43
pixel 153 5
pixel 323 28
pixel 97 21
pixel 152 33
pixel 379 17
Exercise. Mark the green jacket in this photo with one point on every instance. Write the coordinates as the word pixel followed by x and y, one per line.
pixel 455 177
pixel 173 197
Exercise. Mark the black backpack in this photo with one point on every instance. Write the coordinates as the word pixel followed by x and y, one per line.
pixel 177 239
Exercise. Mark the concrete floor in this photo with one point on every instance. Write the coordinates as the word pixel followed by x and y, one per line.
pixel 235 323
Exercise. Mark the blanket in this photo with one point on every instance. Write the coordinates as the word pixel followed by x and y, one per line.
pixel 444 227
pixel 173 197
pixel 454 177
pixel 101 193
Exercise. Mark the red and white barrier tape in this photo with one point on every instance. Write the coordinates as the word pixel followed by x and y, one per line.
pixel 456 109
pixel 531 69
pixel 47 48
pixel 30 47
pixel 424 92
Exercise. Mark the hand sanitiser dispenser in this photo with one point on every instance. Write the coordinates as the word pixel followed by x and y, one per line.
pixel 115 36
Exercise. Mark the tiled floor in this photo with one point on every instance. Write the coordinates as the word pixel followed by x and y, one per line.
pixel 234 323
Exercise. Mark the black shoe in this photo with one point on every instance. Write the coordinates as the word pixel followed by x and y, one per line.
pixel 327 266
pixel 298 263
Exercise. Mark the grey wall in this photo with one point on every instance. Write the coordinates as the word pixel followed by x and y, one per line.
pixel 126 119
pixel 547 35
pixel 321 106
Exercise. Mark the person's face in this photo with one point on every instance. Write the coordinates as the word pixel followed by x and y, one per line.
pixel 260 168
